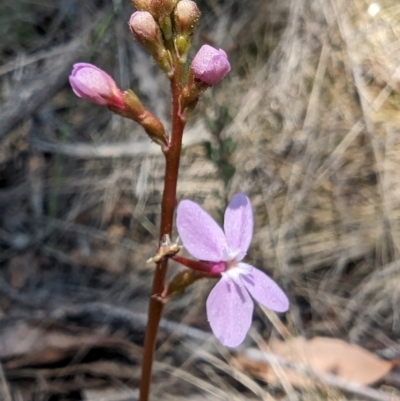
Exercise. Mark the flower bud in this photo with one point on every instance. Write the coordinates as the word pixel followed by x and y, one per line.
pixel 147 32
pixel 161 11
pixel 141 5
pixel 210 65
pixel 93 84
pixel 183 44
pixel 179 283
pixel 162 8
pixel 186 16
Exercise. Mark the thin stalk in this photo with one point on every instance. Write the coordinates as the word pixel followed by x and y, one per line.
pixel 172 158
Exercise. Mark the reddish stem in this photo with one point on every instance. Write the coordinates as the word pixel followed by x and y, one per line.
pixel 172 157
pixel 212 270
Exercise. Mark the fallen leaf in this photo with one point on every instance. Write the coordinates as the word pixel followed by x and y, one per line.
pixel 323 355
pixel 23 344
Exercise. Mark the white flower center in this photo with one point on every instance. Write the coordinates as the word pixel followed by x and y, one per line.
pixel 233 267
pixel 230 256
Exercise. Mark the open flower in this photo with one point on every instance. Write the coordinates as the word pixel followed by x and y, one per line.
pixel 93 84
pixel 210 65
pixel 229 305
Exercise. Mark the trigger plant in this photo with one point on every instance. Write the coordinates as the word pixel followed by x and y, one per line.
pixel 164 28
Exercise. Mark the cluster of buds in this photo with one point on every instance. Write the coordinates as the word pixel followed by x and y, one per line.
pixel 163 26
pixel 165 29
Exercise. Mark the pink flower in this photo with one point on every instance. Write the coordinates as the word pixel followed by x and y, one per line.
pixel 210 65
pixel 95 85
pixel 229 305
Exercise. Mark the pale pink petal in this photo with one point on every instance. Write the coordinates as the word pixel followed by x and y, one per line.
pixel 263 289
pixel 81 90
pixel 229 311
pixel 217 69
pixel 95 80
pixel 200 234
pixel 238 224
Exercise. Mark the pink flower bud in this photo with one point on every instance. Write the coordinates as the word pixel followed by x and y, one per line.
pixel 146 30
pixel 210 65
pixel 93 84
pixel 186 16
pixel 148 34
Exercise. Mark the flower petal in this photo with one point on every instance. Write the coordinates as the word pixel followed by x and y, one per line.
pixel 199 233
pixel 81 90
pixel 95 85
pixel 229 311
pixel 263 289
pixel 96 80
pixel 238 224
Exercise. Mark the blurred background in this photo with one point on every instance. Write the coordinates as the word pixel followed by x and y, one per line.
pixel 307 124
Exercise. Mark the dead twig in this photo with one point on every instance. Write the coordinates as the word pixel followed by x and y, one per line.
pixel 194 136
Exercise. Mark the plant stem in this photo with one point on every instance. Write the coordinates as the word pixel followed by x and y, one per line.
pixel 172 158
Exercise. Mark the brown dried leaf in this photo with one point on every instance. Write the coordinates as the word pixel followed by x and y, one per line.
pixel 323 355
